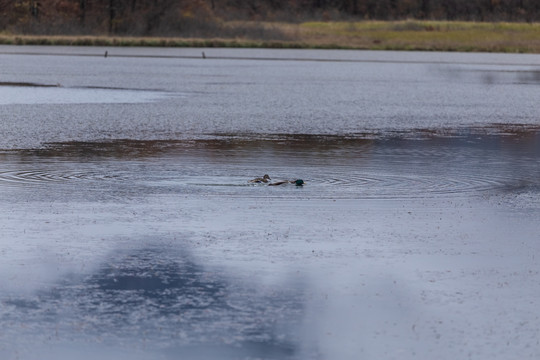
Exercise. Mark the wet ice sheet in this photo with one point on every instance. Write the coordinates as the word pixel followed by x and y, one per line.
pixel 253 95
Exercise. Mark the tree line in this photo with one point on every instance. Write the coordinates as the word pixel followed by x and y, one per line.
pixel 204 17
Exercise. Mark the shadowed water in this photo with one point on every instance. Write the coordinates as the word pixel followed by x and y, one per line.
pixel 130 229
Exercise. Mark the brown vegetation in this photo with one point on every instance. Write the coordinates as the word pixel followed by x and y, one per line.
pixel 376 35
pixel 246 19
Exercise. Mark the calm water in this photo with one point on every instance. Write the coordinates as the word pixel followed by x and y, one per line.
pixel 130 231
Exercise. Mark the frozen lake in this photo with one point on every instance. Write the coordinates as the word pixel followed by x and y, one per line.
pixel 129 229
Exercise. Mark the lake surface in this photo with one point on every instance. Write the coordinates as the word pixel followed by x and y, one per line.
pixel 129 229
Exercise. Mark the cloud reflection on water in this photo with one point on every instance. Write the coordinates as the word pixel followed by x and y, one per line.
pixel 163 301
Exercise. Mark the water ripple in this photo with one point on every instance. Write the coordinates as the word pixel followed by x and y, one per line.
pixel 395 186
pixel 372 185
pixel 36 176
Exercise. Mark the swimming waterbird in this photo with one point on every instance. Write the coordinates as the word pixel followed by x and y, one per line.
pixel 297 182
pixel 264 179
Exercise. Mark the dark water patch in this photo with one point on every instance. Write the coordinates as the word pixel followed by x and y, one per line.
pixel 527 133
pixel 320 144
pixel 506 76
pixel 523 186
pixel 22 304
pixel 175 285
pixel 494 74
pixel 117 148
pixel 271 349
pixel 26 84
pixel 215 142
pixel 57 85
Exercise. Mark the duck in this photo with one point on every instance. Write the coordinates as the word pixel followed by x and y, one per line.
pixel 263 179
pixel 297 182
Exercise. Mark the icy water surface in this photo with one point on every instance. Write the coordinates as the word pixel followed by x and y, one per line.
pixel 129 229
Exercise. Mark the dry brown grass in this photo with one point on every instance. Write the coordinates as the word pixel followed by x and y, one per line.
pixel 427 35
pixel 377 35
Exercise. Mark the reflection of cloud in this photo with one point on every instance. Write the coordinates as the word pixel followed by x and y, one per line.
pixel 154 301
pixel 361 316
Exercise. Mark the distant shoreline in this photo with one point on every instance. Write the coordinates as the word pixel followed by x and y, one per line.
pixel 364 35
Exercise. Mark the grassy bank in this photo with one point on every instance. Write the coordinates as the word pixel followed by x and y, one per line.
pixel 428 35
pixel 373 35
